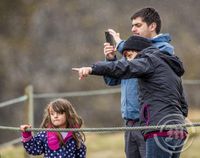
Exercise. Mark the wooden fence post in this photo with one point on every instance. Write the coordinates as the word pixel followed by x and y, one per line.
pixel 29 110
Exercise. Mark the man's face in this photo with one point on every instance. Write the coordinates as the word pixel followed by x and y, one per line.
pixel 140 28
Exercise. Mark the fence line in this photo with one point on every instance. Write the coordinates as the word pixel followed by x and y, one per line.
pixel 96 130
pixel 191 82
pixel 14 141
pixel 13 101
pixel 30 96
pixel 79 93
pixel 74 94
pixel 93 92
pixel 106 129
pixel 65 94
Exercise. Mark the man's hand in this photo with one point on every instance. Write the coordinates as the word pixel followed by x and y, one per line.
pixel 115 35
pixel 83 71
pixel 109 51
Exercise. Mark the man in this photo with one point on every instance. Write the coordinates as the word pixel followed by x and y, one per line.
pixel 160 92
pixel 146 22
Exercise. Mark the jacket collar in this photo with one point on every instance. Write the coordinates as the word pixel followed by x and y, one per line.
pixel 53 141
pixel 161 38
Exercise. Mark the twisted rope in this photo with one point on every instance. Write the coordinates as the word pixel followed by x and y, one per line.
pixel 109 129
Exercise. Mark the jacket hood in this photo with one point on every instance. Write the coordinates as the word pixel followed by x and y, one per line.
pixel 172 60
pixel 162 42
pixel 161 38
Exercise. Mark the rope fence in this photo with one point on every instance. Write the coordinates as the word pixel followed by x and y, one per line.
pixel 108 129
pixel 30 96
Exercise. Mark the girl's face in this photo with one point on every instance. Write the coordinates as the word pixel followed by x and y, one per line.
pixel 57 119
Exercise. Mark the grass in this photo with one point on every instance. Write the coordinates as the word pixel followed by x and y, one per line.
pixel 106 146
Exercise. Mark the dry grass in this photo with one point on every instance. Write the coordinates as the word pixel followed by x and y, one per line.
pixel 106 146
pixel 192 149
pixel 194 114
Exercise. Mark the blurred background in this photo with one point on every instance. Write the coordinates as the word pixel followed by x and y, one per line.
pixel 40 41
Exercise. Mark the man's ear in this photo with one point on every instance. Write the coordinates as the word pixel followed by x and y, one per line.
pixel 153 26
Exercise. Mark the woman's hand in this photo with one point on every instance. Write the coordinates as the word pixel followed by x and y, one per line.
pixel 83 71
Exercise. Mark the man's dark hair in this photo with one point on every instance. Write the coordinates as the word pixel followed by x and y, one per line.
pixel 148 15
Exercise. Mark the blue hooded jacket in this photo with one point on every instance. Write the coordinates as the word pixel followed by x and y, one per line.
pixel 129 87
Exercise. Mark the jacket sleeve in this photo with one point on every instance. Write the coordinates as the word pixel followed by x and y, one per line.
pixel 124 69
pixel 120 46
pixel 35 145
pixel 111 81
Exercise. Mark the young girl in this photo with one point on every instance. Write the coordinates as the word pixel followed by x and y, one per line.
pixel 58 114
